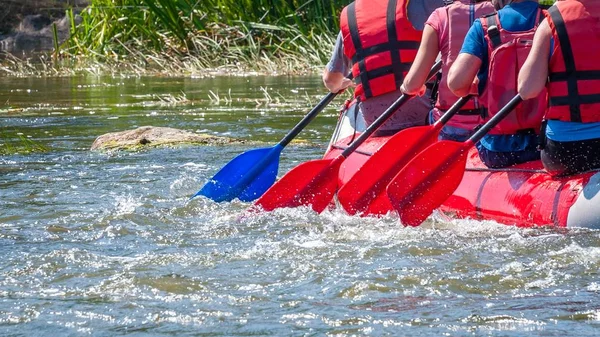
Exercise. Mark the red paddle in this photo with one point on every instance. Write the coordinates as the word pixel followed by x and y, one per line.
pixel 434 174
pixel 315 182
pixel 365 191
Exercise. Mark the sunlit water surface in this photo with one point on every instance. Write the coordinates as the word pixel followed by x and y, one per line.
pixel 108 244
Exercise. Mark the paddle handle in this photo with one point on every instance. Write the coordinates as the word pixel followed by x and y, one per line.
pixel 310 116
pixel 454 109
pixel 508 108
pixel 385 116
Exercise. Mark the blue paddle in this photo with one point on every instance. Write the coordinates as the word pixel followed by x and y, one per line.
pixel 251 173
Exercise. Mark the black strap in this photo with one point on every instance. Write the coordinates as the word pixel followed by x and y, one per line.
pixel 573 100
pixel 393 46
pixel 434 88
pixel 493 30
pixel 354 33
pixel 356 111
pixel 384 47
pixel 582 75
pixel 392 39
pixel 542 137
pixel 574 103
pixel 530 131
pixel 470 112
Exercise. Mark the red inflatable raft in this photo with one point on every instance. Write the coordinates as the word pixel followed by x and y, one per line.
pixel 522 195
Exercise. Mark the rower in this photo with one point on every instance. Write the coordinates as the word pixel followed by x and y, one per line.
pixel 495 48
pixel 445 32
pixel 565 51
pixel 378 41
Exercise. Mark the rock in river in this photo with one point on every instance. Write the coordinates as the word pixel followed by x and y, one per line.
pixel 150 136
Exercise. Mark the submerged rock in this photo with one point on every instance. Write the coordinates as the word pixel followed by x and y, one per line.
pixel 150 136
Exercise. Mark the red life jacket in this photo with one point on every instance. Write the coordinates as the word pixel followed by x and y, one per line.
pixel 381 42
pixel 574 68
pixel 507 52
pixel 460 17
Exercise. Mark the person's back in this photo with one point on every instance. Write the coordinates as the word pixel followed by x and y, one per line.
pixel 572 141
pixel 497 43
pixel 379 46
pixel 508 50
pixel 451 25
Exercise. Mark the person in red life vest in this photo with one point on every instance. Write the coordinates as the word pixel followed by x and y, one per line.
pixel 378 41
pixel 564 60
pixel 494 50
pixel 444 32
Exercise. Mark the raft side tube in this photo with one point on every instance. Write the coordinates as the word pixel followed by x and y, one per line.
pixel 585 212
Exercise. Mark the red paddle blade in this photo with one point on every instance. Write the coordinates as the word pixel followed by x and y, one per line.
pixel 428 180
pixel 311 183
pixel 365 191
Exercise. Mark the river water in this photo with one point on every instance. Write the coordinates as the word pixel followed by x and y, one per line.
pixel 107 244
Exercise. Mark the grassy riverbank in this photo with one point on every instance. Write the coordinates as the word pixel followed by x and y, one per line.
pixel 188 36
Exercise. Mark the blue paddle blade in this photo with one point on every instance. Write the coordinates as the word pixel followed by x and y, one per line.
pixel 246 176
pixel 261 183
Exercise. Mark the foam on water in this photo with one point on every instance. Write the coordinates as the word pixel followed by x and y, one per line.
pixel 110 244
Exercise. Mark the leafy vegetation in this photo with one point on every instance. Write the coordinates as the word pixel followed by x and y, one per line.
pixel 191 35
pixel 17 142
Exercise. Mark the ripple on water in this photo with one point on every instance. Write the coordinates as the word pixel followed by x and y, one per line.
pixel 110 244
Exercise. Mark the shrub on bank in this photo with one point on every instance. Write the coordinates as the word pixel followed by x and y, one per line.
pixel 184 35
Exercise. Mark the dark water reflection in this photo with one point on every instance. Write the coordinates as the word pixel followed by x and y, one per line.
pixel 108 244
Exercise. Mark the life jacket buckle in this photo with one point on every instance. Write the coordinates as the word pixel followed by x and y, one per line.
pixel 494 35
pixel 493 31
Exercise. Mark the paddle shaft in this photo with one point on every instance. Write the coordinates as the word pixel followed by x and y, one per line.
pixel 250 175
pixel 246 176
pixel 310 116
pixel 385 116
pixel 498 117
pixel 454 109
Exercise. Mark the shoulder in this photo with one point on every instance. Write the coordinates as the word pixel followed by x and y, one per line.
pixel 438 18
pixel 476 29
pixel 474 42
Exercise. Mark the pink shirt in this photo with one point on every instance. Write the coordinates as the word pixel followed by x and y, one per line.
pixel 438 20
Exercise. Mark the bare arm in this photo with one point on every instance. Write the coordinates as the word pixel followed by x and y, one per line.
pixel 428 51
pixel 335 81
pixel 462 74
pixel 334 74
pixel 534 73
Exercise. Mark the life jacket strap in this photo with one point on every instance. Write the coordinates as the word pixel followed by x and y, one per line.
pixel 493 29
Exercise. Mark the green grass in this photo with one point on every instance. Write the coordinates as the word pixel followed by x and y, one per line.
pixel 18 143
pixel 286 36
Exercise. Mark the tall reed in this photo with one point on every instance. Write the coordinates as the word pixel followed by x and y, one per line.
pixel 17 143
pixel 288 35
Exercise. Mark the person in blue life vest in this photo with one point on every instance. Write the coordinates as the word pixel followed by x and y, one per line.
pixel 564 59
pixel 494 49
pixel 378 41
